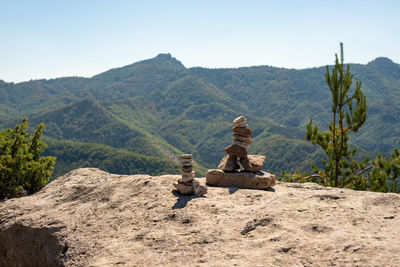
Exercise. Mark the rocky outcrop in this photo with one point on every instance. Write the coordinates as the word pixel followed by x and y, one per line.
pixel 92 218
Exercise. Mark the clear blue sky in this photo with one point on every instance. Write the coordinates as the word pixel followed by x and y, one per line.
pixel 57 38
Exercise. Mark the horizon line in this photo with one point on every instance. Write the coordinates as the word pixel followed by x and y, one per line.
pixel 191 67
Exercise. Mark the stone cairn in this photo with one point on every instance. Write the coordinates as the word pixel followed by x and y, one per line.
pixel 187 185
pixel 237 152
pixel 229 173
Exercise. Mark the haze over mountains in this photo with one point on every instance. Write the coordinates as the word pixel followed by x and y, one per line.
pixel 138 118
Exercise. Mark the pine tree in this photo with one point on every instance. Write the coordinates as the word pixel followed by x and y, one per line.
pixel 348 115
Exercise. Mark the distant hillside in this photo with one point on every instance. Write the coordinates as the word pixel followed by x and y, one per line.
pixel 72 154
pixel 159 108
pixel 88 121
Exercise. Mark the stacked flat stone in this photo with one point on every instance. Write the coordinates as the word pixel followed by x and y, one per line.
pixel 237 152
pixel 187 168
pixel 187 185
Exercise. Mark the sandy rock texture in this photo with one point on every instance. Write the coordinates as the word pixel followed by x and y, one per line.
pixel 92 218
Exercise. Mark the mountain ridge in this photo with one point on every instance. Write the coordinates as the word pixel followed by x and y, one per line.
pixel 161 108
pixel 168 55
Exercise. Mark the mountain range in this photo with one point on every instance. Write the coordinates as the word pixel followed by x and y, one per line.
pixel 140 117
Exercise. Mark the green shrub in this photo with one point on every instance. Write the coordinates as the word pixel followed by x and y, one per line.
pixel 21 166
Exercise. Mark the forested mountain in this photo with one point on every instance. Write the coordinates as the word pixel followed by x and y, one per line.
pixel 71 155
pixel 159 109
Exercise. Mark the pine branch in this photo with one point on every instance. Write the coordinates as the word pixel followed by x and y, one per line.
pixel 366 169
pixel 357 174
pixel 316 176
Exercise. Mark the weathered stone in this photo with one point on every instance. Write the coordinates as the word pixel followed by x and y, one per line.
pixel 245 164
pixel 199 190
pixel 243 138
pixel 240 143
pixel 190 188
pixel 187 164
pixel 236 151
pixel 260 180
pixel 184 189
pixel 186 156
pixel 256 162
pixel 229 163
pixel 180 181
pixel 243 131
pixel 188 174
pixel 186 160
pixel 187 179
pixel 187 168
pixel 239 121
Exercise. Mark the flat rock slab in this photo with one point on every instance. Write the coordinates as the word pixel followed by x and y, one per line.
pixel 250 180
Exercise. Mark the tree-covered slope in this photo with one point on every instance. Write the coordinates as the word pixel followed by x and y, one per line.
pixel 71 155
pixel 157 107
pixel 89 121
pixel 34 96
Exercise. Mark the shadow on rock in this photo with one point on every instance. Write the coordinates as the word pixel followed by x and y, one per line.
pixel 233 190
pixel 182 200
pixel 270 189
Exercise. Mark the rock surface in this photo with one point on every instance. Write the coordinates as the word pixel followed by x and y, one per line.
pixel 236 151
pixel 256 162
pixel 228 163
pixel 91 218
pixel 185 188
pixel 245 145
pixel 243 131
pixel 239 121
pixel 243 138
pixel 199 190
pixel 250 180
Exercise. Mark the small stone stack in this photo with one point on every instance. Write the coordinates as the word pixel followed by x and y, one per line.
pixel 187 168
pixel 187 185
pixel 237 152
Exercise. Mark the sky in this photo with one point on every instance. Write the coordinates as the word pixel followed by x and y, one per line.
pixel 58 38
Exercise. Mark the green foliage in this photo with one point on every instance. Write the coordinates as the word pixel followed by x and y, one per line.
pixel 348 114
pixel 157 107
pixel 384 176
pixel 340 168
pixel 89 121
pixel 21 166
pixel 71 155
